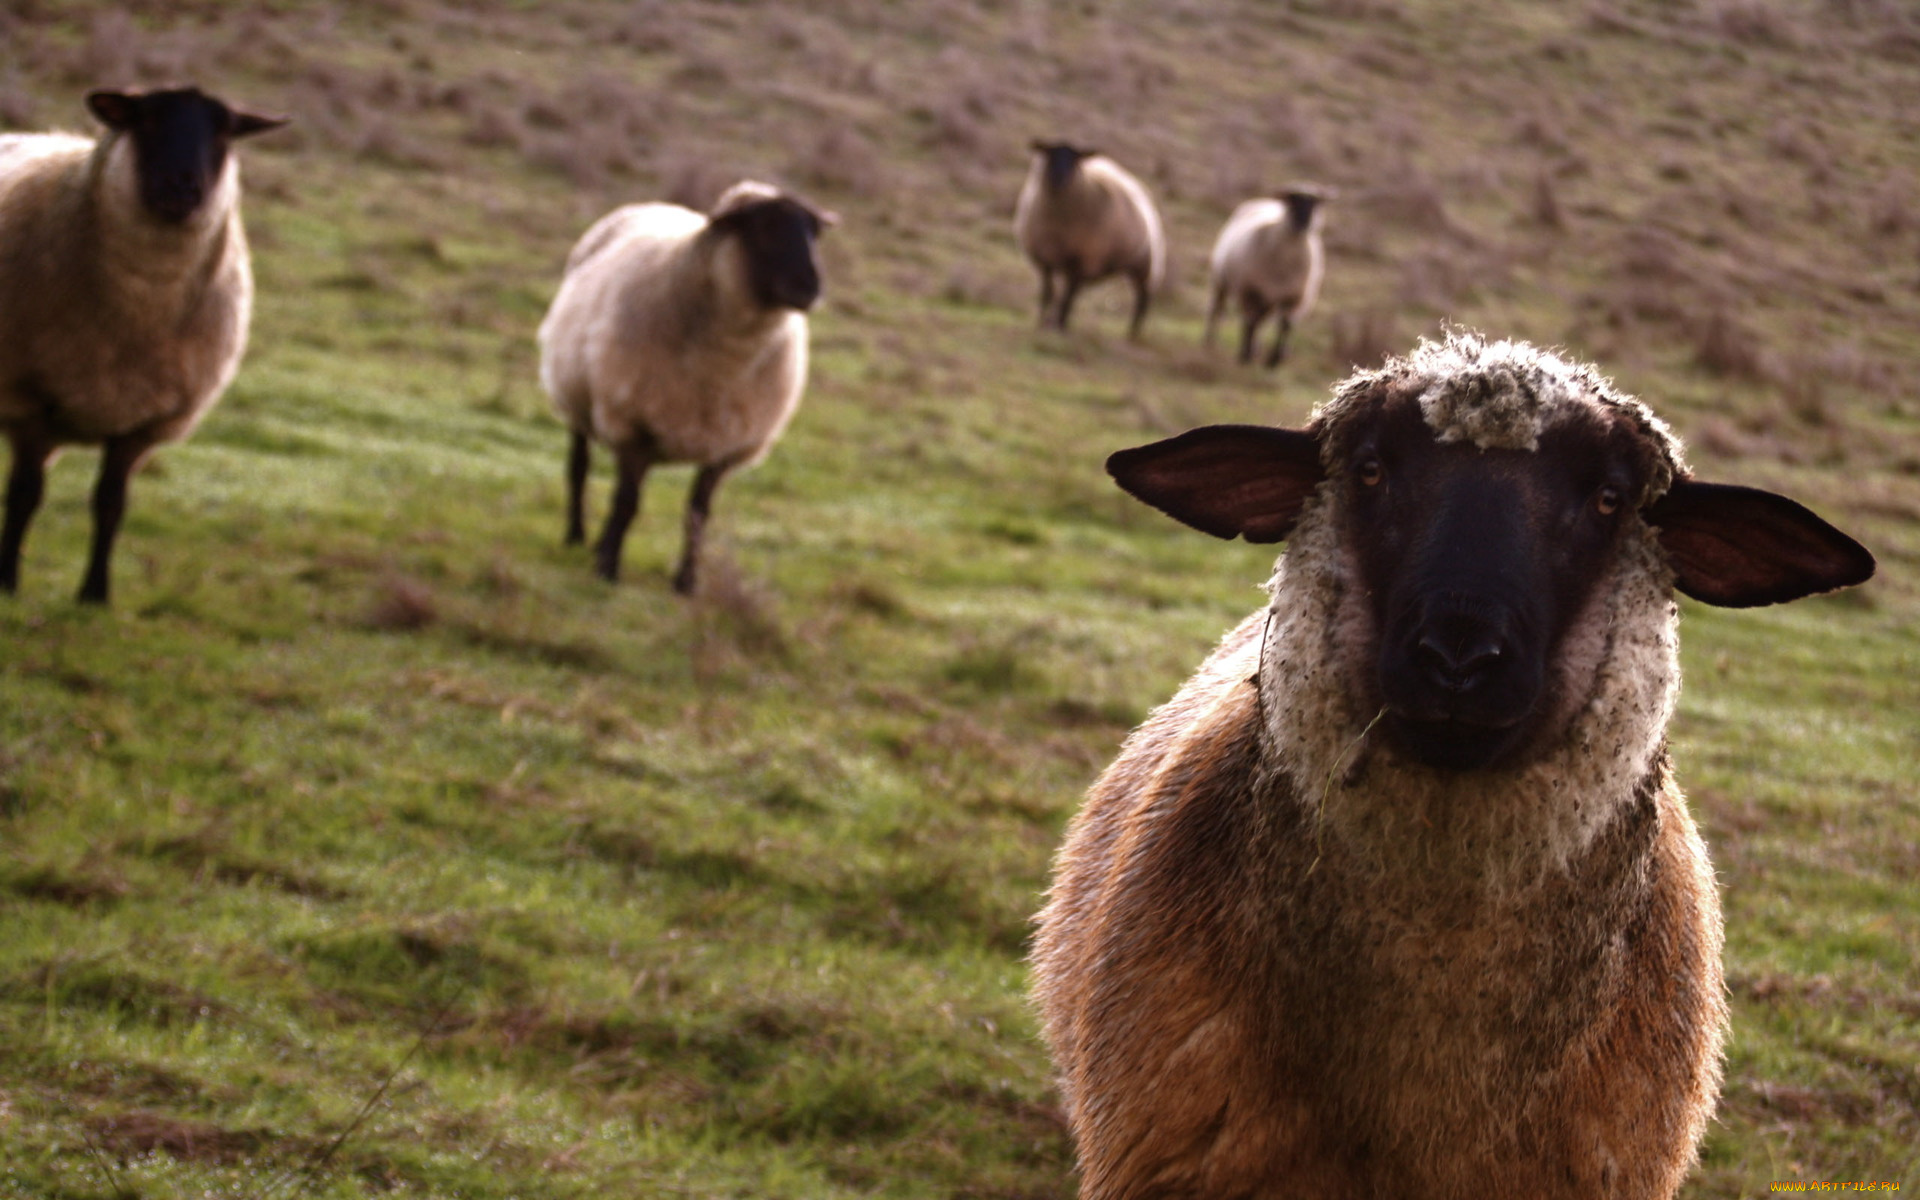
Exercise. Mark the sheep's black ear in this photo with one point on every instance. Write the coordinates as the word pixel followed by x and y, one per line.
pixel 115 110
pixel 1227 480
pixel 1740 547
pixel 246 124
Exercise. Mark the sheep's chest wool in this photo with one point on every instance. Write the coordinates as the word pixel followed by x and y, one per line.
pixel 1398 895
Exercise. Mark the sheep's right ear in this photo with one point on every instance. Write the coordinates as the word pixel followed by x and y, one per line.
pixel 246 124
pixel 1740 547
pixel 115 110
pixel 1227 480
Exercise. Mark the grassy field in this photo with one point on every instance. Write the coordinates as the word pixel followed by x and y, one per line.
pixel 370 846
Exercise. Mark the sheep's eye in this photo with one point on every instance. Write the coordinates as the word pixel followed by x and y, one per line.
pixel 1371 472
pixel 1608 501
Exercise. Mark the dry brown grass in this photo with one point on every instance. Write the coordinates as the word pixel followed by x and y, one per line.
pixel 842 161
pixel 401 603
pixel 1726 347
pixel 1362 340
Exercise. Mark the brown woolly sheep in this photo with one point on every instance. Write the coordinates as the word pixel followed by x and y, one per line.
pixel 125 292
pixel 1084 216
pixel 1398 896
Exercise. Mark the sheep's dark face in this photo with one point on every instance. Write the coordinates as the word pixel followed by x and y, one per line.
pixel 1475 565
pixel 778 237
pixel 1300 208
pixel 1059 161
pixel 180 141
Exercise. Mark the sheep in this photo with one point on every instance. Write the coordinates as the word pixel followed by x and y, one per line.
pixel 125 294
pixel 1083 215
pixel 1269 257
pixel 677 337
pixel 1398 896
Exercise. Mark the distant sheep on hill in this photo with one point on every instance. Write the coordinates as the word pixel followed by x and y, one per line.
pixel 1398 896
pixel 125 293
pixel 1269 257
pixel 1081 215
pixel 678 337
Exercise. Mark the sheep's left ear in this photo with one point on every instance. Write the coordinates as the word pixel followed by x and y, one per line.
pixel 1227 480
pixel 246 124
pixel 1740 547
pixel 115 110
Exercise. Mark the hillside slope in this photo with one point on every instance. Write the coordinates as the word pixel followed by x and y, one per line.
pixel 372 846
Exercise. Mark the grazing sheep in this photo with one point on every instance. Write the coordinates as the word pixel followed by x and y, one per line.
pixel 125 292
pixel 1081 214
pixel 1398 896
pixel 677 337
pixel 1269 257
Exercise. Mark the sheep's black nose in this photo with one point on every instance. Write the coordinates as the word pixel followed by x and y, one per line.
pixel 1458 654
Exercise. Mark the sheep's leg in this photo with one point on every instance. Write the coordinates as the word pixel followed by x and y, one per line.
pixel 1279 351
pixel 1142 296
pixel 634 459
pixel 26 483
pixel 1254 311
pixel 699 504
pixel 1213 313
pixel 1067 296
pixel 1046 295
pixel 118 458
pixel 577 464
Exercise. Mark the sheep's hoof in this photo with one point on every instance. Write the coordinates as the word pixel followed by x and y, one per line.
pixel 683 581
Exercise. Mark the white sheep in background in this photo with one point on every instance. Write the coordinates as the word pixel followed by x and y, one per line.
pixel 1398 896
pixel 125 293
pixel 1082 215
pixel 678 337
pixel 1269 257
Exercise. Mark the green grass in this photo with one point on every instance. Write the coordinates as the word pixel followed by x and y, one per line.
pixel 371 846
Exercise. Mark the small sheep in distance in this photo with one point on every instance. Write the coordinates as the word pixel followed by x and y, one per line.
pixel 125 295
pixel 1084 216
pixel 678 337
pixel 1269 257
pixel 1398 896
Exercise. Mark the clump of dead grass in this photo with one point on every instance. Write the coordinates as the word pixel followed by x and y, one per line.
pixel 841 159
pixel 1362 339
pixel 691 177
pixel 1544 207
pixel 1724 346
pixel 1753 22
pixel 401 604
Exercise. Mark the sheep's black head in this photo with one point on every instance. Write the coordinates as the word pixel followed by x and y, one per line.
pixel 1061 160
pixel 777 232
pixel 1478 523
pixel 1301 205
pixel 180 143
